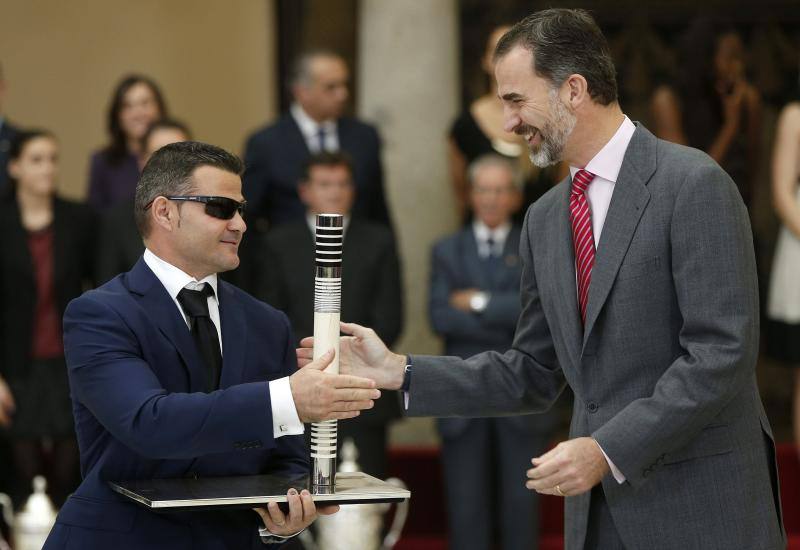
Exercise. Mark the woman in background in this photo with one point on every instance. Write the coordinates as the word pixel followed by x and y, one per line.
pixel 783 305
pixel 137 103
pixel 46 245
pixel 713 107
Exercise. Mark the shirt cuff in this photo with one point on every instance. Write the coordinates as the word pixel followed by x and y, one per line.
pixel 619 476
pixel 269 538
pixel 284 414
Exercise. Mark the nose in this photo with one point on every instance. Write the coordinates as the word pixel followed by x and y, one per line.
pixel 237 223
pixel 510 119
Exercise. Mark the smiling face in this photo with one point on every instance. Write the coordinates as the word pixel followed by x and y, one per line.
pixel 36 169
pixel 532 108
pixel 139 110
pixel 204 244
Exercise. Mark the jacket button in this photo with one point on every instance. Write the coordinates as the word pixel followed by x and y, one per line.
pixel 592 407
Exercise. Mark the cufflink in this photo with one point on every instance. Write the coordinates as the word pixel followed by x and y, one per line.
pixel 283 428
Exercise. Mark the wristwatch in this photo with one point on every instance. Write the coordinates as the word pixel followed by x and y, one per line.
pixel 479 301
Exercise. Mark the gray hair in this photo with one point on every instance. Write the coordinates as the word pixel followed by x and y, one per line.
pixel 493 159
pixel 565 42
pixel 169 172
pixel 300 71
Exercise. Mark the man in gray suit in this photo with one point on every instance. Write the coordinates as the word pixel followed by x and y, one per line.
pixel 639 291
pixel 474 305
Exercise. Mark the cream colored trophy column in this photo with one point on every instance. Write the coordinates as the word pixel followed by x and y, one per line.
pixel 408 86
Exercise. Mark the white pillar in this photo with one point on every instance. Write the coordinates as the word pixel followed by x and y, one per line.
pixel 408 86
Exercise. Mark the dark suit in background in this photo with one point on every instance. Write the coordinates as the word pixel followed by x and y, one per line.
pixel 371 295
pixel 7 133
pixel 119 244
pixel 274 159
pixel 41 392
pixel 485 459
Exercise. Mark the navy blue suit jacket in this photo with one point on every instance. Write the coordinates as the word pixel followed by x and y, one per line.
pixel 457 266
pixel 274 158
pixel 137 382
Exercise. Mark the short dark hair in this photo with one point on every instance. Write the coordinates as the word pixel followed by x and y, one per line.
pixel 326 158
pixel 169 172
pixel 565 42
pixel 23 137
pixel 117 149
pixel 165 124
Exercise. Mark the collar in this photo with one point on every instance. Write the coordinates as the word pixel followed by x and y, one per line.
pixel 173 279
pixel 608 161
pixel 498 234
pixel 308 126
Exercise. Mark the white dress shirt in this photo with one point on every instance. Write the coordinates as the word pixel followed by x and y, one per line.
pixel 498 235
pixel 310 130
pixel 285 420
pixel 605 166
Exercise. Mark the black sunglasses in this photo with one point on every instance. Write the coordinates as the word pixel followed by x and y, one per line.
pixel 217 207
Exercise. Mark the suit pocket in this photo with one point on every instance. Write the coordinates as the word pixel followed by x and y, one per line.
pixel 712 440
pixel 100 515
pixel 640 268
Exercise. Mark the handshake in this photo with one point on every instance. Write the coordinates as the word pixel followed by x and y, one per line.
pixel 365 366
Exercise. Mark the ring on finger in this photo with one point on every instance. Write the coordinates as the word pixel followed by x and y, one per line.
pixel 559 491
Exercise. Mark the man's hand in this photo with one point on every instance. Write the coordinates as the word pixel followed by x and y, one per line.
pixel 302 513
pixel 363 354
pixel 322 396
pixel 7 405
pixel 571 468
pixel 460 299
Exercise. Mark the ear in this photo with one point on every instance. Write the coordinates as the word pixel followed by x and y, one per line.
pixel 13 169
pixel 164 214
pixel 302 191
pixel 575 91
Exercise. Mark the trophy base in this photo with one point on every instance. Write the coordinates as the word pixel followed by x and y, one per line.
pixel 186 494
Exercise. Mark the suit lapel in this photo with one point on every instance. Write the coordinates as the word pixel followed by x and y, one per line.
pixel 295 139
pixel 234 336
pixel 164 313
pixel 562 260
pixel 628 202
pixel 509 260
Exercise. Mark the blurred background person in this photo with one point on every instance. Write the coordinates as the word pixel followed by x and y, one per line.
pixel 474 305
pixel 316 122
pixel 7 133
pixel 371 289
pixel 783 308
pixel 114 170
pixel 712 106
pixel 119 244
pixel 478 130
pixel 47 243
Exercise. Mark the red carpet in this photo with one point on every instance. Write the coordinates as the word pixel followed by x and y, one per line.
pixel 426 528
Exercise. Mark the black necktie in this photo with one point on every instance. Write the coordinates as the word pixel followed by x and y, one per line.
pixel 195 305
pixel 490 246
pixel 321 138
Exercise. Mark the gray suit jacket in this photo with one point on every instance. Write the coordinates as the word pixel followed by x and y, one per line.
pixel 664 371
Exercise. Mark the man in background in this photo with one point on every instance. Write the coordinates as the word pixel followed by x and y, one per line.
pixel 475 305
pixel 371 288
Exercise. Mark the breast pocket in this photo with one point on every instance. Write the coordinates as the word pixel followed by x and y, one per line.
pixel 639 268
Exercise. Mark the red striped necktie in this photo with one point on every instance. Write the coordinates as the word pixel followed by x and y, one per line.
pixel 582 236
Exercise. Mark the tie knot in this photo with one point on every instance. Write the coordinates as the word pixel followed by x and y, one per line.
pixel 581 181
pixel 195 302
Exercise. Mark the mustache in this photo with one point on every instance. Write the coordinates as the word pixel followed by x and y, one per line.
pixel 524 129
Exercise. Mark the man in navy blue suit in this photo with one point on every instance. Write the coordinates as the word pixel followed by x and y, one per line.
pixel 175 373
pixel 275 155
pixel 474 305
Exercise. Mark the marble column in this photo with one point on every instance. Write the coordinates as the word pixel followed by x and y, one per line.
pixel 408 86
